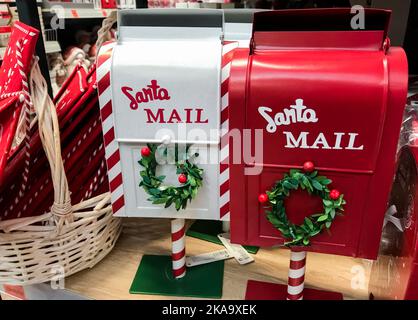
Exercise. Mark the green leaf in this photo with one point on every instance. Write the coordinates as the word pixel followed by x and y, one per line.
pixel 194 193
pixel 332 213
pixel 326 182
pixel 305 229
pixel 309 223
pixel 313 174
pixel 322 218
pixel 299 237
pixel 328 224
pixel 160 201
pixel 169 202
pixel 314 233
pixel 327 203
pixel 161 178
pixel 317 185
pixel 147 179
pixel 288 185
pixel 178 204
pixel 294 182
pixel 195 174
pixel 273 220
pixel 306 241
pixel 154 192
pixel 306 182
pixel 192 181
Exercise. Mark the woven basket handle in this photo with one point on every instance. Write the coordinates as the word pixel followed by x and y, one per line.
pixel 49 133
pixel 103 32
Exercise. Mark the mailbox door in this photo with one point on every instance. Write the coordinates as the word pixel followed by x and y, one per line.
pixel 349 131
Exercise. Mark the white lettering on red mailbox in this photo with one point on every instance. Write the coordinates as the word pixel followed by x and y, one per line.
pixel 297 113
pixel 154 92
pixel 321 142
pixel 302 114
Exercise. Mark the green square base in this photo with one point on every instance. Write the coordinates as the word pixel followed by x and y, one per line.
pixel 154 276
pixel 208 230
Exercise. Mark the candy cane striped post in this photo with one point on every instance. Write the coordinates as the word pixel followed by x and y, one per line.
pixel 227 56
pixel 178 255
pixel 114 168
pixel 296 281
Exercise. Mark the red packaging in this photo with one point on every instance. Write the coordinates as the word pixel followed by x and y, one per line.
pixel 11 82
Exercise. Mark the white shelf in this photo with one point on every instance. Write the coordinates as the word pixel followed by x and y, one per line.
pixel 81 13
pixel 14 1
pixel 50 47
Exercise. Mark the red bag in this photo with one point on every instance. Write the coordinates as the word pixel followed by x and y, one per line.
pixel 82 151
pixel 11 84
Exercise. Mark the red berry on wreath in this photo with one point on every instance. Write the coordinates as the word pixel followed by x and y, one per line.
pixel 182 178
pixel 263 198
pixel 334 194
pixel 308 166
pixel 145 152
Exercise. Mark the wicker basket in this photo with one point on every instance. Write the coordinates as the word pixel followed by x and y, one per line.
pixel 69 238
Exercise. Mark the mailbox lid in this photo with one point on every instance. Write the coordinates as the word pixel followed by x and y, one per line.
pixel 166 71
pixel 325 105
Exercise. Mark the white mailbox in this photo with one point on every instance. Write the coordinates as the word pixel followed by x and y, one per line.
pixel 160 84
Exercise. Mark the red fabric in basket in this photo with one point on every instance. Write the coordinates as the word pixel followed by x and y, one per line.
pixel 82 151
pixel 11 82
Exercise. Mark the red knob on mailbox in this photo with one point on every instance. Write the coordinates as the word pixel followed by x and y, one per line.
pixel 263 198
pixel 308 166
pixel 145 152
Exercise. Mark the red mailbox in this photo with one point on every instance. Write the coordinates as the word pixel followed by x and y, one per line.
pixel 322 92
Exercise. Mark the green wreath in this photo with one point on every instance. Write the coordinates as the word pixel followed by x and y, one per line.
pixel 333 204
pixel 190 177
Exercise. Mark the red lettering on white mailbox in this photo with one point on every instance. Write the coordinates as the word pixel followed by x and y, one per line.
pixel 154 92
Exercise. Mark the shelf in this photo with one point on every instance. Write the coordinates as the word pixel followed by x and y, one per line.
pixel 112 277
pixel 81 13
pixel 14 1
pixel 50 47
